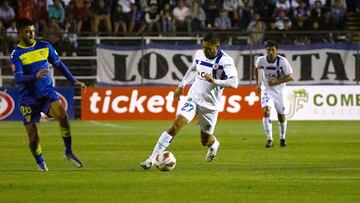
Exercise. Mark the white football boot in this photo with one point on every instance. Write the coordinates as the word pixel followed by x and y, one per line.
pixel 211 154
pixel 42 167
pixel 147 164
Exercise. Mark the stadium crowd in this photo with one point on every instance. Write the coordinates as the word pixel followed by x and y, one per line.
pixel 62 21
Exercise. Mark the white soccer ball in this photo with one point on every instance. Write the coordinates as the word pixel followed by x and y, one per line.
pixel 165 161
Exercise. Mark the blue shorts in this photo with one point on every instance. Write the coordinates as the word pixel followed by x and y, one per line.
pixel 31 109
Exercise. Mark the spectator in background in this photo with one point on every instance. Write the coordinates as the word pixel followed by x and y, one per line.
pixel 280 19
pixel 26 9
pixel 70 13
pixel 57 12
pixel 69 39
pixel 301 38
pixel 272 33
pixel 181 15
pixel 85 17
pixel 211 8
pixel 101 12
pixel 232 6
pixel 287 38
pixel 283 5
pixel 52 33
pixel 316 37
pixel 3 45
pixel 40 15
pixel 257 32
pixel 317 11
pixel 223 22
pixel 10 38
pixel 265 8
pixel 312 3
pixel 136 20
pixel 7 13
pixel 167 20
pixel 79 4
pixel 338 12
pixel 327 24
pixel 245 13
pixel 126 5
pixel 119 19
pixel 197 17
pixel 252 23
pixel 152 19
pixel 302 12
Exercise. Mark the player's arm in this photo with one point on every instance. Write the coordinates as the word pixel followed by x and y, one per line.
pixel 232 79
pixel 55 60
pixel 189 76
pixel 19 75
pixel 285 78
pixel 257 79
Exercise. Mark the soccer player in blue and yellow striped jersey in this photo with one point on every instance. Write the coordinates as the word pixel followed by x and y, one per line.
pixel 30 64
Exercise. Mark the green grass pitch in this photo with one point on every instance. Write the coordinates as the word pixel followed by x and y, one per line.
pixel 321 163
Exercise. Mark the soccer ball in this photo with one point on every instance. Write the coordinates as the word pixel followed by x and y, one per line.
pixel 165 161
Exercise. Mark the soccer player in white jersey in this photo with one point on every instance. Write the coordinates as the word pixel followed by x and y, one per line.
pixel 272 73
pixel 213 70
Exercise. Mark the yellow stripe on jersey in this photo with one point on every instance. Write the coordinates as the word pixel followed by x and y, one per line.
pixel 34 56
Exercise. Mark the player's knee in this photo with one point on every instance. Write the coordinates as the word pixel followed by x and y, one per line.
pixel 62 116
pixel 266 112
pixel 281 118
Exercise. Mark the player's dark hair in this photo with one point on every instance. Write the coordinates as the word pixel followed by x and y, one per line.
pixel 212 38
pixel 271 43
pixel 23 22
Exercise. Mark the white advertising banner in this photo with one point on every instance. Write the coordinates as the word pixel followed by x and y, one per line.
pixel 325 64
pixel 322 103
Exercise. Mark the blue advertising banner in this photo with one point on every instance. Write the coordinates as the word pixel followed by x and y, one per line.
pixel 9 110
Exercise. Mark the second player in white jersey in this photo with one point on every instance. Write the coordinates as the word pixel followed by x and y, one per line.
pixel 273 70
pixel 212 70
pixel 272 73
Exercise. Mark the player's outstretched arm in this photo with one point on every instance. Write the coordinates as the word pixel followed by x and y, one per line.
pixel 231 82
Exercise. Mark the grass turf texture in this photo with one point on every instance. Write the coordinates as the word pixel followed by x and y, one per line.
pixel 321 163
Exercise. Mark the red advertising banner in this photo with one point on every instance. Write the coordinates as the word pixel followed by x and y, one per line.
pixel 157 103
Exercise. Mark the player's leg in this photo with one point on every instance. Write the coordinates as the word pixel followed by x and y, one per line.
pixel 265 103
pixel 279 103
pixel 164 141
pixel 185 115
pixel 34 145
pixel 31 115
pixel 207 122
pixel 58 112
pixel 282 129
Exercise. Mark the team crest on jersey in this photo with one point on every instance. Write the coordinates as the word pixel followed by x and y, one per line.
pixel 6 105
pixel 215 66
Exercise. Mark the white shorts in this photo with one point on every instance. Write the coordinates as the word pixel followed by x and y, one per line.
pixel 207 118
pixel 277 100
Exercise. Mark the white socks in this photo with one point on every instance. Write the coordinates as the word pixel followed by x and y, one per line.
pixel 268 127
pixel 282 129
pixel 163 142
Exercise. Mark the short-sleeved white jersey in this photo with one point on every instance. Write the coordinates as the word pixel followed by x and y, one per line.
pixel 273 70
pixel 204 93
